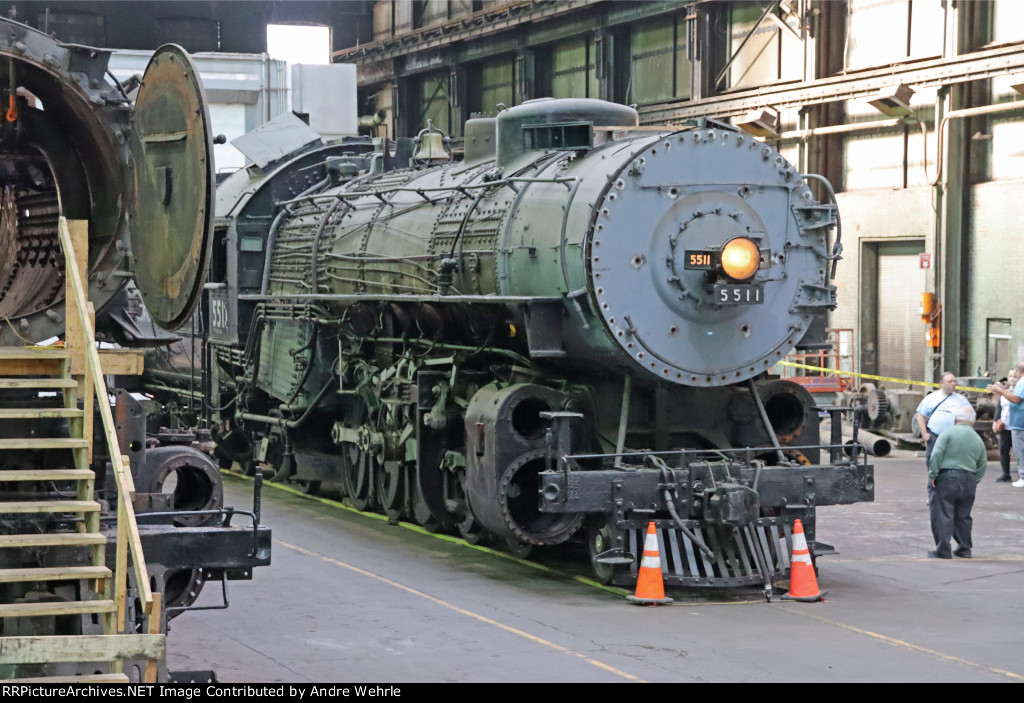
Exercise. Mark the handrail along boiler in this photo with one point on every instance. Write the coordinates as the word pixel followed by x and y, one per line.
pixel 567 333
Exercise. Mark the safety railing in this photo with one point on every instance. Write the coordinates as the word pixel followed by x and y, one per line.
pixel 85 362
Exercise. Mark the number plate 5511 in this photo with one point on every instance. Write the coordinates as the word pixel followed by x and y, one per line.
pixel 748 294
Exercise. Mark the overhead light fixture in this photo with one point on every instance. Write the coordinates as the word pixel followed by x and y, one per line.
pixel 760 123
pixel 894 102
pixel 1017 82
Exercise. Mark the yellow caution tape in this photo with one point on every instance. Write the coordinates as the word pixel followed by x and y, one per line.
pixel 898 381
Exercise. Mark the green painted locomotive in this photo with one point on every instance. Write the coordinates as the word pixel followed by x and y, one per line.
pixel 565 335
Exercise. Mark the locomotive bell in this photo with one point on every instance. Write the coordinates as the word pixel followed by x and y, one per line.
pixel 431 148
pixel 430 145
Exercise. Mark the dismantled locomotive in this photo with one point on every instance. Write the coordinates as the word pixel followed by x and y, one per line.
pixel 568 332
pixel 139 172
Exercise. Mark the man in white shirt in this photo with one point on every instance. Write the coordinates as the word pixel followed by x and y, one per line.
pixel 1015 421
pixel 937 412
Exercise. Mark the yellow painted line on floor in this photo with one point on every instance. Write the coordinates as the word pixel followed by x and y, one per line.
pixel 903 644
pixel 463 611
pixel 614 590
pixel 436 535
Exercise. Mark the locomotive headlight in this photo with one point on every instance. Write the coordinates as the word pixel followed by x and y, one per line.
pixel 740 258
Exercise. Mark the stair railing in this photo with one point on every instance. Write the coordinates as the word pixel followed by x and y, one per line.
pixel 85 361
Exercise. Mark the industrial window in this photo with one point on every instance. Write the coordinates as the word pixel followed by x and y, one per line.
pixel 890 157
pixel 659 66
pixel 433 12
pixel 572 70
pixel 760 50
pixel 299 43
pixel 74 27
pixel 193 33
pixel 1007 21
pixel 997 353
pixel 497 83
pixel 435 105
pixel 880 32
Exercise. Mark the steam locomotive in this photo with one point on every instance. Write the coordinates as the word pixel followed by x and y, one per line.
pixel 76 143
pixel 565 335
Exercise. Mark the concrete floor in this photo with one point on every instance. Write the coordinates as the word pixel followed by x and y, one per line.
pixel 351 598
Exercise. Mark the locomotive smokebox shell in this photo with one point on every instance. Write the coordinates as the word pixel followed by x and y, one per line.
pixel 141 176
pixel 659 257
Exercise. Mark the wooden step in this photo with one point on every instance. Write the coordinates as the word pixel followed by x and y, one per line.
pixel 54 573
pixel 46 475
pixel 43 443
pixel 33 353
pixel 30 610
pixel 38 413
pixel 86 678
pixel 48 506
pixel 54 539
pixel 37 383
pixel 82 648
pixel 22 361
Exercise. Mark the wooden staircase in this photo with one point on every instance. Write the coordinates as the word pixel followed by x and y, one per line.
pixel 50 538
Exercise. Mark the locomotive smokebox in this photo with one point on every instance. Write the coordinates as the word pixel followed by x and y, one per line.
pixel 708 257
pixel 73 144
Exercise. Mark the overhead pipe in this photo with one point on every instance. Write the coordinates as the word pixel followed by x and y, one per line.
pixel 968 112
pixel 804 134
pixel 372 121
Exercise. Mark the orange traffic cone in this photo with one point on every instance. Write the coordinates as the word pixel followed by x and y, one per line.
pixel 803 584
pixel 649 587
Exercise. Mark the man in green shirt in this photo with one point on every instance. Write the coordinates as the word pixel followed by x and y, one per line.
pixel 956 467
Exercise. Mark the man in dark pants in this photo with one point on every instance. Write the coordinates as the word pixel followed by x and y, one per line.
pixel 957 466
pixel 936 413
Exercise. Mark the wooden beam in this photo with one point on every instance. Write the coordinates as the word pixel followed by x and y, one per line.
pixel 121 562
pixel 75 336
pixel 38 383
pixel 49 506
pixel 122 362
pixel 31 610
pixel 153 665
pixel 39 413
pixel 51 573
pixel 46 474
pixel 54 539
pixel 85 678
pixel 11 353
pixel 30 367
pixel 80 648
